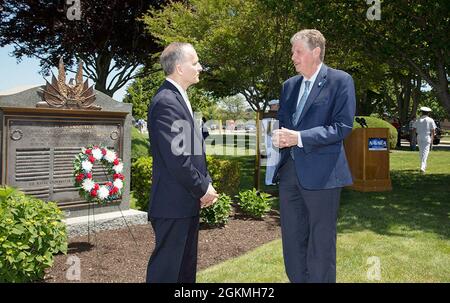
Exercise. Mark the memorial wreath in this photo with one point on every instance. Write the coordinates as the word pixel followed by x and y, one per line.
pixel 88 188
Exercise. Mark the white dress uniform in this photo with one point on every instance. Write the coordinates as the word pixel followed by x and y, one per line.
pixel 424 125
pixel 273 154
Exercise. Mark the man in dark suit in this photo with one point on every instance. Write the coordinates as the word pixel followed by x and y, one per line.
pixel 316 113
pixel 181 183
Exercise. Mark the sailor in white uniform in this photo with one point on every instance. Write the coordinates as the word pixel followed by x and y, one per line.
pixel 424 127
pixel 269 125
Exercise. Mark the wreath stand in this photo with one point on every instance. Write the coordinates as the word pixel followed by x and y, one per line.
pixel 93 217
pixel 91 204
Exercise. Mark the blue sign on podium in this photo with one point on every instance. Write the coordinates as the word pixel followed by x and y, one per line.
pixel 377 144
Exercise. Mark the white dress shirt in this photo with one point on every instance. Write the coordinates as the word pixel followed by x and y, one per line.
pixel 183 94
pixel 302 89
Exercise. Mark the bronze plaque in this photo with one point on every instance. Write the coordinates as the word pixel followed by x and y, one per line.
pixel 40 153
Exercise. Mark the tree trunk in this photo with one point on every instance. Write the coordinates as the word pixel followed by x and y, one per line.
pixel 102 64
pixel 416 98
pixel 440 83
pixel 442 86
pixel 403 102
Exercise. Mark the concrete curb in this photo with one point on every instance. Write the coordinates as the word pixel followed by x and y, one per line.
pixel 78 226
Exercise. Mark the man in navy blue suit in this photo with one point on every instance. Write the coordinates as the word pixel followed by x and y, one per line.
pixel 316 113
pixel 181 183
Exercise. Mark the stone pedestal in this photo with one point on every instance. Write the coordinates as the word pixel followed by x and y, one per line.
pixel 38 146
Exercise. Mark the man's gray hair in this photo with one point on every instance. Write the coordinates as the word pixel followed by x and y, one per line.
pixel 313 38
pixel 172 55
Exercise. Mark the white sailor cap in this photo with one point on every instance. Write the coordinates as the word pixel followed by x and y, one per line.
pixel 425 109
pixel 273 102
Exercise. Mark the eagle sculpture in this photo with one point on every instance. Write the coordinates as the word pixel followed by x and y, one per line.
pixel 73 96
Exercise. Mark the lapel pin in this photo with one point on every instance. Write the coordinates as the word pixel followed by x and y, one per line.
pixel 322 82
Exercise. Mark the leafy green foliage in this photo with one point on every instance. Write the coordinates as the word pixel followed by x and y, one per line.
pixel 141 180
pixel 141 92
pixel 255 203
pixel 108 37
pixel 226 175
pixel 243 46
pixel 31 232
pixel 218 213
pixel 143 89
pixel 373 122
pixel 234 108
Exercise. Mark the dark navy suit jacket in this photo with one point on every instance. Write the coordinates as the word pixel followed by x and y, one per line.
pixel 326 120
pixel 180 175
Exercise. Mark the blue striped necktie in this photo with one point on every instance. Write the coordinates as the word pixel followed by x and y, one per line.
pixel 301 104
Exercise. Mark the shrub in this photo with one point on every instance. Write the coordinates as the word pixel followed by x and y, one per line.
pixel 31 232
pixel 226 175
pixel 373 122
pixel 218 213
pixel 254 203
pixel 141 177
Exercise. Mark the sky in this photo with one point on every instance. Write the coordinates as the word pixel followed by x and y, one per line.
pixel 26 73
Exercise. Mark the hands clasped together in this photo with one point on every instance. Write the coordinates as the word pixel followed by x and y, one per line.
pixel 284 137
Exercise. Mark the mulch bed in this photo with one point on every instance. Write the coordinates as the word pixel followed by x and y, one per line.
pixel 113 256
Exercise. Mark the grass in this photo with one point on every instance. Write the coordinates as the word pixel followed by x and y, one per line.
pixel 139 143
pixel 407 229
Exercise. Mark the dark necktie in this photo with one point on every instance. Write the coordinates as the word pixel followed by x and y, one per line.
pixel 298 111
pixel 301 104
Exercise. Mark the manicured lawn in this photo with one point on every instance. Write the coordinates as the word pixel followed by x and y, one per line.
pixel 407 230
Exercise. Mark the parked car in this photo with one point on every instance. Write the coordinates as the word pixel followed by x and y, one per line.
pixel 250 128
pixel 405 133
pixel 437 133
pixel 239 127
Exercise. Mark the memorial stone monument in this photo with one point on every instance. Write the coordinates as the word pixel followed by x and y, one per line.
pixel 43 128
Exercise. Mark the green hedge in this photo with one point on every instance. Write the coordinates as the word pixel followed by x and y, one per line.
pixel 225 174
pixel 141 178
pixel 31 232
pixel 373 122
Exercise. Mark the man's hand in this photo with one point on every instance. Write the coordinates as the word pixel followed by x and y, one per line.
pixel 209 198
pixel 284 137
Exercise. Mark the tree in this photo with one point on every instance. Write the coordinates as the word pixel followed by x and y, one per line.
pixel 233 108
pixel 107 36
pixel 142 90
pixel 243 47
pixel 411 35
pixel 140 93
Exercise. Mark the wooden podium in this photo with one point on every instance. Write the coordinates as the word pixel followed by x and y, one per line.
pixel 367 151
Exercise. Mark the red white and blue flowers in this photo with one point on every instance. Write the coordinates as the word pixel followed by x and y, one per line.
pixel 90 190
